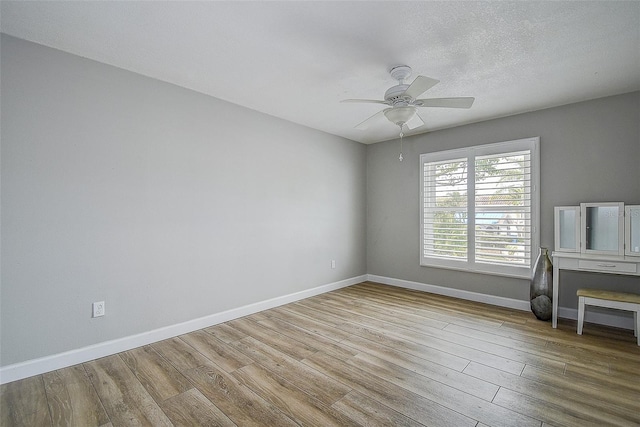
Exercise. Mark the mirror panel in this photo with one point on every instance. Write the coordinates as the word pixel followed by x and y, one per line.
pixel 567 218
pixel 602 228
pixel 633 221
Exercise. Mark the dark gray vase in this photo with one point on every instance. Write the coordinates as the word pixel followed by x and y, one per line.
pixel 540 290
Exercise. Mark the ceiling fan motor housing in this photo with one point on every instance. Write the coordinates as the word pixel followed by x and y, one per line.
pixel 395 95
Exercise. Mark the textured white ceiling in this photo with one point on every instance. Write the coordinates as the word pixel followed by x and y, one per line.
pixel 297 60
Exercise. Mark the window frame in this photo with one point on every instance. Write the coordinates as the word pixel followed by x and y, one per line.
pixel 470 153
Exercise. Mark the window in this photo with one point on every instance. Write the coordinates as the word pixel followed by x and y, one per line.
pixel 480 208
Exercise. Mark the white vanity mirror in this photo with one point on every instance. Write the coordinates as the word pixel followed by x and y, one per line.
pixel 567 228
pixel 632 230
pixel 602 228
pixel 598 229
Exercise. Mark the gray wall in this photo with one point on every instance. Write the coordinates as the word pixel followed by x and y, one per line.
pixel 589 152
pixel 167 204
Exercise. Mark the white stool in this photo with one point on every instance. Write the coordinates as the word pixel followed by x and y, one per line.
pixel 609 299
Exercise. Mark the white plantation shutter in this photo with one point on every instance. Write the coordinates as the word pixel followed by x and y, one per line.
pixel 503 209
pixel 445 209
pixel 480 208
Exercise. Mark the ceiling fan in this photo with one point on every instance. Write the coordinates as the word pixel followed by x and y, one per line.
pixel 403 102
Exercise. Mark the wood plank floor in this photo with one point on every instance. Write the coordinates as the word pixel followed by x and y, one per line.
pixel 369 355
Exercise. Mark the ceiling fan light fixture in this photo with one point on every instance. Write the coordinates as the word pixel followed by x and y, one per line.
pixel 400 115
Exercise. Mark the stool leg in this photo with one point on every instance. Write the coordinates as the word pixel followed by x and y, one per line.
pixel 580 314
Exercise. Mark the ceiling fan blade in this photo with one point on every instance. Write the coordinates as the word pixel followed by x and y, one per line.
pixel 414 122
pixel 369 101
pixel 461 102
pixel 370 120
pixel 420 85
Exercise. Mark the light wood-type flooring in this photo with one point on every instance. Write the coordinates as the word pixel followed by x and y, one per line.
pixel 369 355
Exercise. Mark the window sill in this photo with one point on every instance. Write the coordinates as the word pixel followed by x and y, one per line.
pixel 525 274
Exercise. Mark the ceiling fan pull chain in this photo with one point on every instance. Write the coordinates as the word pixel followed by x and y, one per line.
pixel 401 135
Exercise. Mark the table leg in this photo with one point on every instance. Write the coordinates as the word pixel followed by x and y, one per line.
pixel 554 303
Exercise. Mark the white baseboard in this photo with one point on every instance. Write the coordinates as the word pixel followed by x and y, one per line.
pixel 451 292
pixel 623 322
pixel 566 313
pixel 41 365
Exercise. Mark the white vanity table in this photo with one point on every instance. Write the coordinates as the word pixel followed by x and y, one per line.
pixel 591 263
pixel 595 237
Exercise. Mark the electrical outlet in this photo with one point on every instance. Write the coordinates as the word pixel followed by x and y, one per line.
pixel 98 309
pixel 333 263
